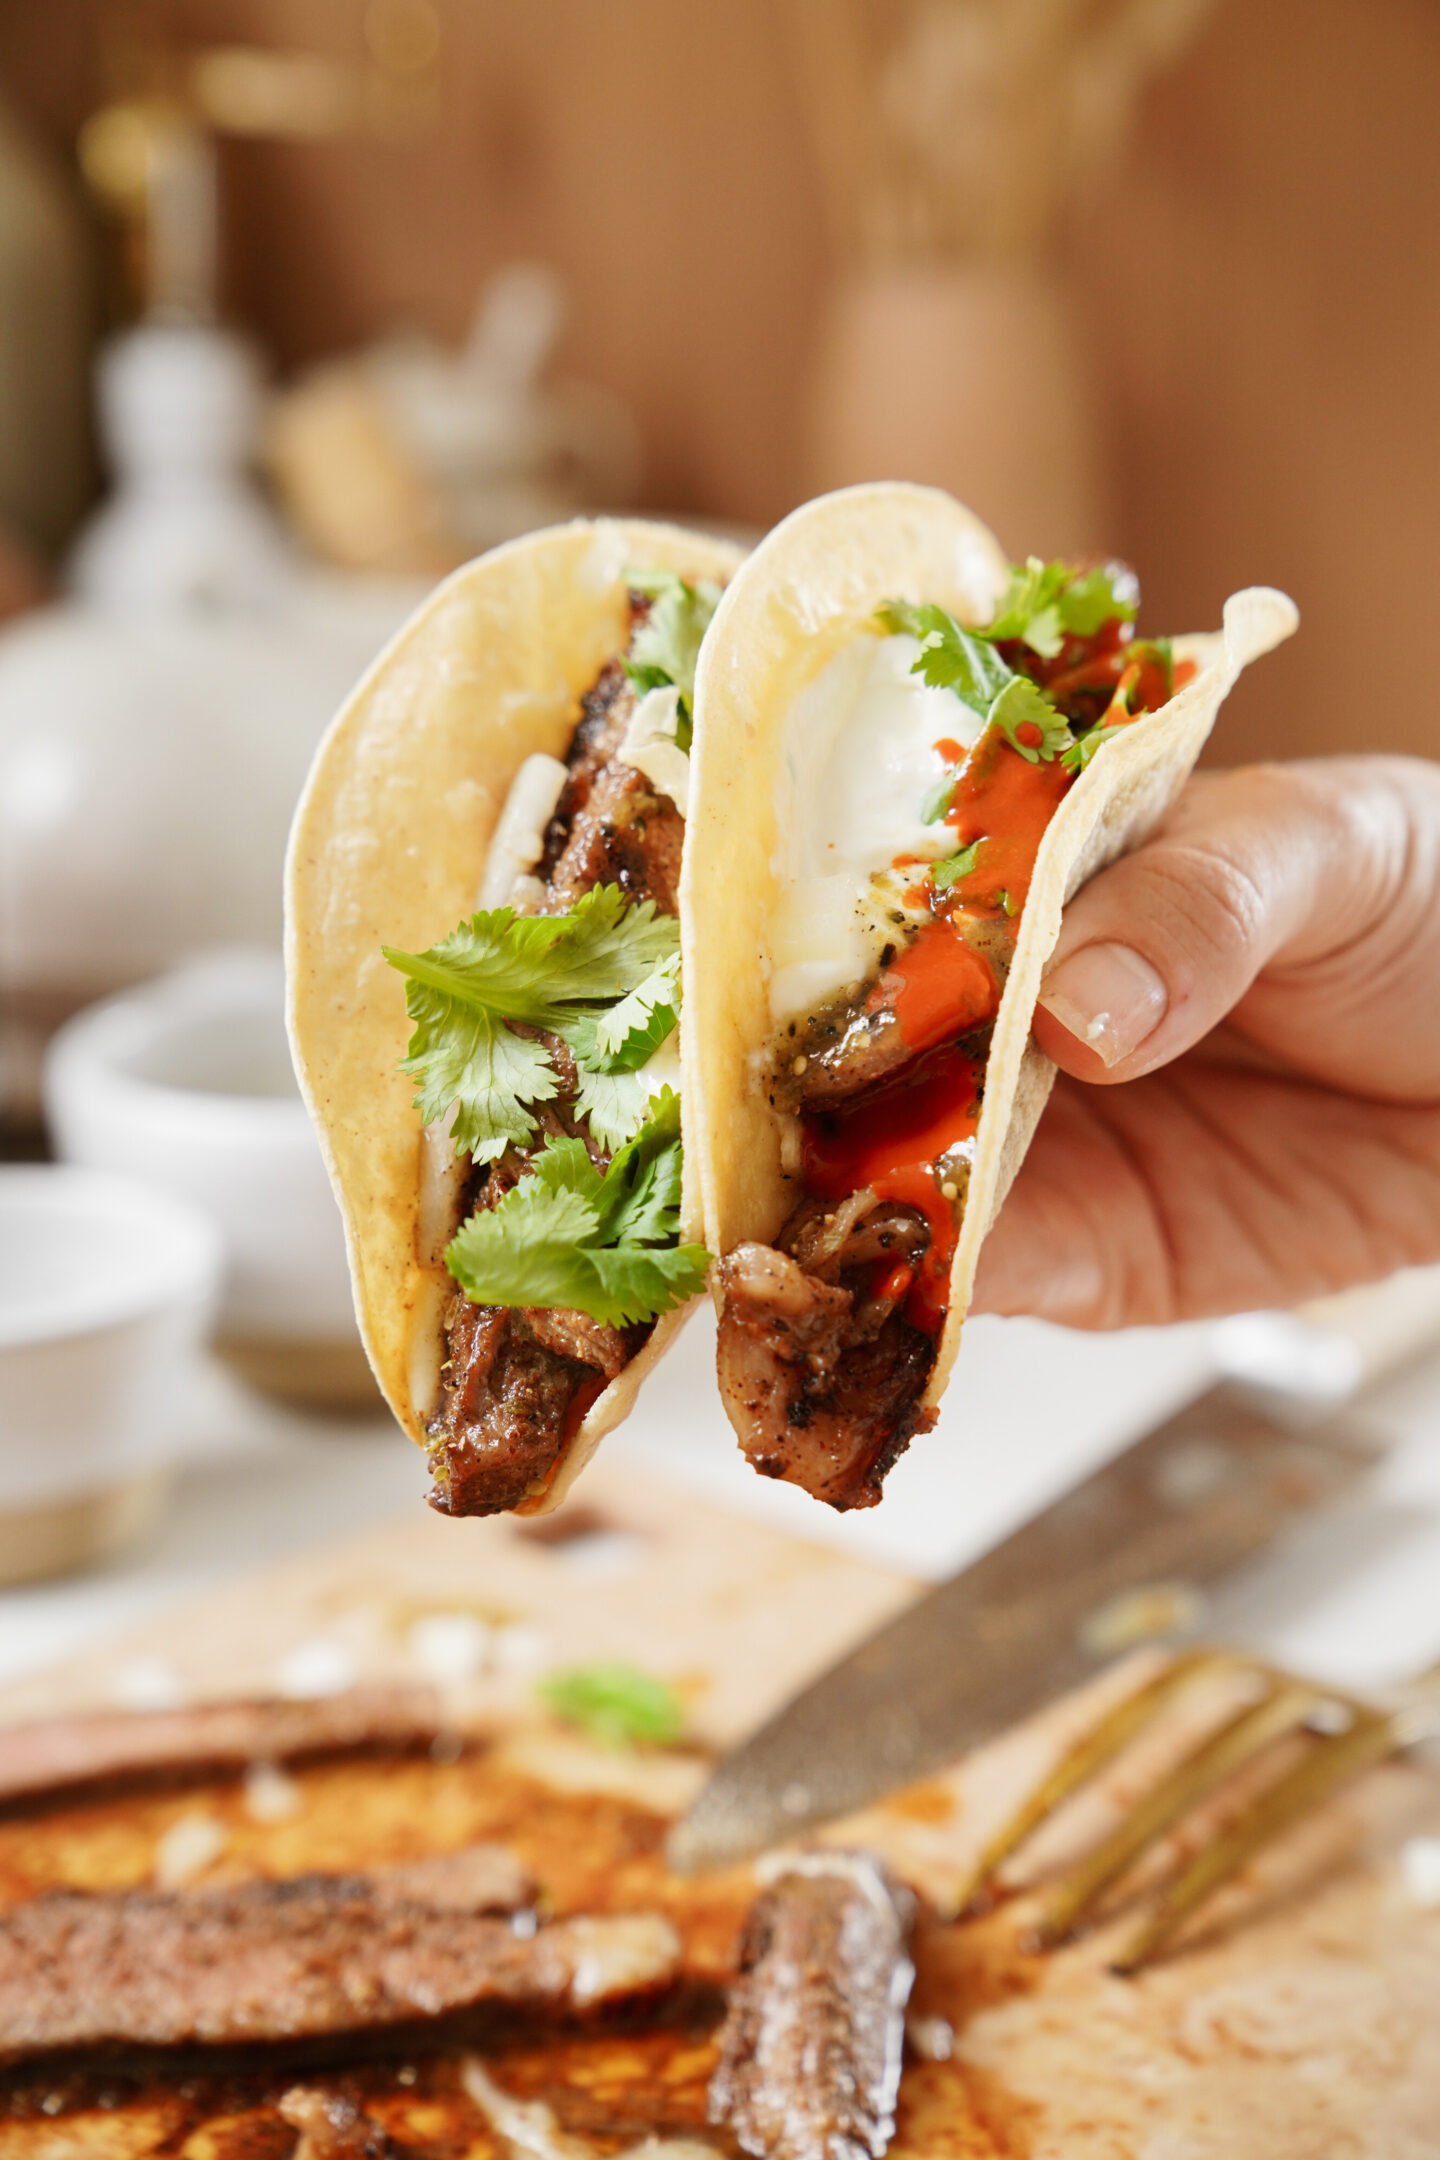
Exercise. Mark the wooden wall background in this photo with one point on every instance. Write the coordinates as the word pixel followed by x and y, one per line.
pixel 1259 287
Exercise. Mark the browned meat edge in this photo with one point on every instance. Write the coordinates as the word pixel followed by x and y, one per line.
pixel 57 1755
pixel 320 1955
pixel 810 2049
pixel 517 1382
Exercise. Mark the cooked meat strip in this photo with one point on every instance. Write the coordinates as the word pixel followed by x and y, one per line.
pixel 868 1047
pixel 810 2049
pixel 332 2125
pixel 60 1754
pixel 575 1335
pixel 478 1878
pixel 821 1379
pixel 505 1409
pixel 276 1961
pixel 624 835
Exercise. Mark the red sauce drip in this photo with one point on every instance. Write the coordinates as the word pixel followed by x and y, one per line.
pixel 891 1141
pixel 950 750
pixel 1005 802
pixel 938 987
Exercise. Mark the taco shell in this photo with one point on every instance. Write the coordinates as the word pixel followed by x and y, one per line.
pixel 388 846
pixel 810 587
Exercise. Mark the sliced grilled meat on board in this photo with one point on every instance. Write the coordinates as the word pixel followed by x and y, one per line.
pixel 810 2049
pixel 518 1381
pixel 61 1754
pixel 275 1961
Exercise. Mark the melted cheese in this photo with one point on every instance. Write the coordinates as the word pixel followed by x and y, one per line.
pixel 859 760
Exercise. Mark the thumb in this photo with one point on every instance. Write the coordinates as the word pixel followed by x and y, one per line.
pixel 1155 951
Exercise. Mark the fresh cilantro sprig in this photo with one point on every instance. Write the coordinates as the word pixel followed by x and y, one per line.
pixel 666 646
pixel 605 977
pixel 953 658
pixel 945 874
pixel 602 1242
pixel 1045 603
pixel 1078 756
pixel 1029 722
pixel 617 1704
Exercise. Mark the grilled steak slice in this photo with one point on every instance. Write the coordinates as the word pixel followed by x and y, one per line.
pixel 508 1404
pixel 821 1379
pixel 293 1960
pixel 60 1754
pixel 810 2049
pixel 625 835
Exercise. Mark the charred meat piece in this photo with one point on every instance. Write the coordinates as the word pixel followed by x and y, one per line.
pixel 277 1961
pixel 60 1754
pixel 507 1406
pixel 820 1377
pixel 810 2049
pixel 624 835
pixel 870 1047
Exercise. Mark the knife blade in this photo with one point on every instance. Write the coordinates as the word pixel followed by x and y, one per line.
pixel 1123 1557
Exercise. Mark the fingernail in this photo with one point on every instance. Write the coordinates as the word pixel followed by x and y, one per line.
pixel 1109 997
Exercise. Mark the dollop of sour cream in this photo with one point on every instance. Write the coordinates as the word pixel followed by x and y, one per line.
pixel 859 760
pixel 651 748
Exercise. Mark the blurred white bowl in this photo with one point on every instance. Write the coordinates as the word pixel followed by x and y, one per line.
pixel 187 1083
pixel 106 1292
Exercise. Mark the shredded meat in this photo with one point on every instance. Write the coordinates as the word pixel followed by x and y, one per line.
pixel 810 2049
pixel 289 1960
pixel 504 1409
pixel 58 1755
pixel 820 1375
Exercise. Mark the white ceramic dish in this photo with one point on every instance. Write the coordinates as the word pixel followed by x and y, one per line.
pixel 187 1083
pixel 106 1293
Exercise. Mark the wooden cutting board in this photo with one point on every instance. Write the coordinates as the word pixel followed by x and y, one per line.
pixel 1303 2023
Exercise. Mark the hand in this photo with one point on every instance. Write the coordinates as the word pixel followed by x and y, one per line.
pixel 1246 1017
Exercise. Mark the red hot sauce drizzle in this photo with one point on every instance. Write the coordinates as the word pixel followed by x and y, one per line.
pixel 897 1138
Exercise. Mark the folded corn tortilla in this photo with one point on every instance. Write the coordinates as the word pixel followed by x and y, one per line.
pixel 389 845
pixel 806 591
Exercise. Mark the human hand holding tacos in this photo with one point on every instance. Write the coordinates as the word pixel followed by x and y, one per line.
pixel 1268 1124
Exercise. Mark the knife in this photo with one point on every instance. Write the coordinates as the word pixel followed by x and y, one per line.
pixel 1124 1557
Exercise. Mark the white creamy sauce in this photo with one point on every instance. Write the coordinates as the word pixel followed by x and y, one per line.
pixel 859 760
pixel 650 746
pixel 518 840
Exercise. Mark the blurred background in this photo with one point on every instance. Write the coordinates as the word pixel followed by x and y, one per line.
pixel 303 303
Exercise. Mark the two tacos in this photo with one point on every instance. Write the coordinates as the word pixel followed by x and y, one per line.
pixel 613 757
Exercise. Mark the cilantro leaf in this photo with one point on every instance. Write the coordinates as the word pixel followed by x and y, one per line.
pixel 1047 601
pixel 1080 752
pixel 627 1032
pixel 557 972
pixel 944 874
pixel 937 801
pixel 1028 721
pixel 616 1704
pixel 950 658
pixel 1095 597
pixel 566 1235
pixel 466 1056
pixel 639 1200
pixel 614 1103
pixel 666 645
